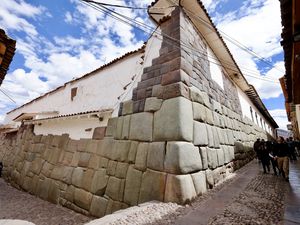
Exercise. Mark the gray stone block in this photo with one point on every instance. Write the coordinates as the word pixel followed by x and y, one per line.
pixel 141 156
pixel 153 186
pixel 179 189
pixel 182 157
pixel 212 158
pixel 98 206
pixel 141 126
pixel 153 104
pixel 221 157
pixel 199 112
pixel 115 188
pixel 174 121
pixel 210 136
pixel 200 134
pixel 199 180
pixel 99 182
pixel 203 154
pixel 156 156
pixel 132 186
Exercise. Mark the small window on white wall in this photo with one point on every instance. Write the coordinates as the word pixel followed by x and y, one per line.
pixel 215 68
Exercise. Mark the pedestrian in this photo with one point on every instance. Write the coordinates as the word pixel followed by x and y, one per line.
pixel 282 157
pixel 272 152
pixel 256 147
pixel 1 167
pixel 291 147
pixel 264 156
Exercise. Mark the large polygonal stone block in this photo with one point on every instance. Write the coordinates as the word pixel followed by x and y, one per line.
pixel 182 157
pixel 98 206
pixel 99 182
pixel 212 158
pixel 82 198
pixel 156 156
pixel 121 170
pixel 199 112
pixel 111 126
pixel 132 152
pixel 200 134
pixel 153 186
pixel 221 157
pixel 141 156
pixel 120 150
pixel 199 180
pixel 62 173
pixel 115 188
pixel 141 126
pixel 210 136
pixel 174 121
pixel 152 104
pixel 209 116
pixel 203 154
pixel 132 186
pixel 199 96
pixel 179 189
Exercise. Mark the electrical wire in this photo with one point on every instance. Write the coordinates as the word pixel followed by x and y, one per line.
pixel 136 24
pixel 10 98
pixel 113 5
pixel 229 38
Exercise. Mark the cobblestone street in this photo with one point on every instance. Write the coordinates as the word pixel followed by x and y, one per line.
pixel 16 204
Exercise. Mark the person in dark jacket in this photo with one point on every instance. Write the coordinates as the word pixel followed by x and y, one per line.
pixel 256 147
pixel 264 155
pixel 282 157
pixel 272 152
pixel 1 167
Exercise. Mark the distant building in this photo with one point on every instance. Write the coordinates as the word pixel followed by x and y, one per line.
pixel 7 51
pixel 290 15
pixel 283 133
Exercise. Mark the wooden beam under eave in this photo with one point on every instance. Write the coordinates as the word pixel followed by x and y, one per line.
pixel 296 73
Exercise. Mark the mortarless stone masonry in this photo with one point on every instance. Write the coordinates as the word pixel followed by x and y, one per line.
pixel 178 136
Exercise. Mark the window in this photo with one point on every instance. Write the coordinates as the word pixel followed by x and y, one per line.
pixel 73 93
pixel 251 111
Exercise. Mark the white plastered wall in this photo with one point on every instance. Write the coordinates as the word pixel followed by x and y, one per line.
pixel 98 91
pixel 245 106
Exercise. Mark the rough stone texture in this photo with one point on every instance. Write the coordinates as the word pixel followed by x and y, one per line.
pixel 179 188
pixel 156 156
pixel 99 182
pixel 98 206
pixel 82 198
pixel 141 156
pixel 200 134
pixel 174 121
pixel 182 158
pixel 141 126
pixel 153 104
pixel 153 186
pixel 199 180
pixel 132 186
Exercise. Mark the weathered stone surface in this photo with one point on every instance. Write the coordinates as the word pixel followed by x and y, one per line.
pixel 115 188
pixel 179 189
pixel 99 182
pixel 209 116
pixel 98 206
pixel 99 133
pixel 216 137
pixel 182 157
pixel 153 186
pixel 199 180
pixel 221 157
pixel 127 107
pixel 132 186
pixel 212 158
pixel 82 198
pixel 126 127
pixel 200 134
pixel 199 96
pixel 119 128
pixel 141 126
pixel 53 193
pixel 203 154
pixel 42 187
pixel 82 178
pixel 209 178
pixel 156 156
pixel 92 146
pixel 210 136
pixel 141 156
pixel 36 165
pixel 132 152
pixel 103 162
pixel 69 194
pixel 111 167
pixel 152 104
pixel 107 145
pixel 84 159
pixel 111 126
pixel 121 170
pixel 174 121
pixel 216 106
pixel 94 161
pixel 120 150
pixel 199 112
pixel 62 173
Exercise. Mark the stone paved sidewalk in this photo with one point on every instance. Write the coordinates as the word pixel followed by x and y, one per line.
pixel 16 204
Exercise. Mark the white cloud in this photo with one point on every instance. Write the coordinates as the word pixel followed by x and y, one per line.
pixel 68 17
pixel 280 117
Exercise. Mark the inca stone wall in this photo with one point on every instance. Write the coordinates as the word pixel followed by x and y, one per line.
pixel 179 135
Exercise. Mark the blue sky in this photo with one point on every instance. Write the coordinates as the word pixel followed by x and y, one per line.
pixel 58 40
